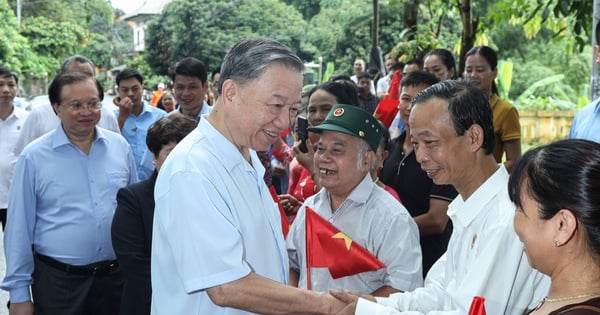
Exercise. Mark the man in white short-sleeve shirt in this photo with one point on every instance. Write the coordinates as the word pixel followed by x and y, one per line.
pixel 355 205
pixel 217 245
pixel 451 128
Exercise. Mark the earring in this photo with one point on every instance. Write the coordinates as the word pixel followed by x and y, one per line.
pixel 556 243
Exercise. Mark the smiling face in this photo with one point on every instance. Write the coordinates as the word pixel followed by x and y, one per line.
pixel 319 105
pixel 535 233
pixel 168 101
pixel 262 108
pixel 336 160
pixel 189 93
pixel 443 155
pixel 479 72
pixel 407 94
pixel 78 123
pixel 434 64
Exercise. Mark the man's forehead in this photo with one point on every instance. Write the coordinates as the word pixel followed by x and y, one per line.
pixel 7 78
pixel 133 81
pixel 185 79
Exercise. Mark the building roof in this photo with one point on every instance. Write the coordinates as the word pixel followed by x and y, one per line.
pixel 150 7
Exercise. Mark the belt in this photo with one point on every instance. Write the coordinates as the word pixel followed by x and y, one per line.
pixel 101 268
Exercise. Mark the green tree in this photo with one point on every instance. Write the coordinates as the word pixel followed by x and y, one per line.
pixel 54 40
pixel 206 30
pixel 15 51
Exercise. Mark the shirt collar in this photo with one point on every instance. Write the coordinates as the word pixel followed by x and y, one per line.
pixel 467 210
pixel 227 152
pixel 597 107
pixel 17 112
pixel 60 137
pixel 205 109
pixel 360 194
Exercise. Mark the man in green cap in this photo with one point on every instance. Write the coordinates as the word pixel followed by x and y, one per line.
pixel 356 206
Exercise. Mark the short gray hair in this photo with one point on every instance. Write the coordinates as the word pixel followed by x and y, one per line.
pixel 363 148
pixel 78 58
pixel 249 58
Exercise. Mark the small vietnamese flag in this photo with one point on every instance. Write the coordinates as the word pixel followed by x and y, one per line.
pixel 327 247
pixel 285 225
pixel 388 107
pixel 477 306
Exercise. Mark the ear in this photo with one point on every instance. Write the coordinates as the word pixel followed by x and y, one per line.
pixel 370 160
pixel 475 137
pixel 55 109
pixel 565 223
pixel 205 85
pixel 229 90
pixel 596 54
pixel 495 72
pixel 385 155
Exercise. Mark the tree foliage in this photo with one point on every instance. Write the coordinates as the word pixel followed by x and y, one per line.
pixel 206 30
pixel 15 51
pixel 568 19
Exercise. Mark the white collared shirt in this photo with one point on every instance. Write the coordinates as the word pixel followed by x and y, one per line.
pixel 10 128
pixel 372 218
pixel 484 258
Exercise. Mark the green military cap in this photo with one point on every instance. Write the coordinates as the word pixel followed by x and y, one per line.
pixel 354 121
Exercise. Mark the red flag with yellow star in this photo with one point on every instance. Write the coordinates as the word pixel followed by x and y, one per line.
pixel 326 246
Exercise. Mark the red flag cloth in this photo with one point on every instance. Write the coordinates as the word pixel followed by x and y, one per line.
pixel 327 247
pixel 285 225
pixel 477 306
pixel 388 107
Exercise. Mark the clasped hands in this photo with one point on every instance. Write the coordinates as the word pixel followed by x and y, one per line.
pixel 345 301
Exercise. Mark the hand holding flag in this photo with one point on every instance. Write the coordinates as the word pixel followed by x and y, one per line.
pixel 326 246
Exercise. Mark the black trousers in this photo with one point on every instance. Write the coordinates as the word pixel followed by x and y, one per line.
pixel 55 291
pixel 3 218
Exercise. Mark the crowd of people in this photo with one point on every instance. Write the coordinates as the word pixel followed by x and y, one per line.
pixel 205 201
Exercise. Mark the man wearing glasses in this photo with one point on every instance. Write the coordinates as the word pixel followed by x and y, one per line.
pixel 61 206
pixel 135 117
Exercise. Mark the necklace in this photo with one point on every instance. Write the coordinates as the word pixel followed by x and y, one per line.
pixel 566 298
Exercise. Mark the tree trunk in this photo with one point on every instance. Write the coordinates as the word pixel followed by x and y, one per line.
pixel 411 11
pixel 595 77
pixel 468 33
pixel 376 61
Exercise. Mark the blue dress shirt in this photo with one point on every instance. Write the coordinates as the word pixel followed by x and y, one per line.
pixel 62 202
pixel 586 124
pixel 135 129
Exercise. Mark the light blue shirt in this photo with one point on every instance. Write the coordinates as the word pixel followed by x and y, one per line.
pixel 214 222
pixel 147 157
pixel 135 130
pixel 62 202
pixel 586 124
pixel 205 109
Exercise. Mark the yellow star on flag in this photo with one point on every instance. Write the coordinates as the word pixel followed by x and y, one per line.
pixel 345 237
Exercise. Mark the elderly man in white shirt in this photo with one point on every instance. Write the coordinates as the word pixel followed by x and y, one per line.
pixel 451 128
pixel 360 209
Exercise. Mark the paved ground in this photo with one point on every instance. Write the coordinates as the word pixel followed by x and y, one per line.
pixel 3 294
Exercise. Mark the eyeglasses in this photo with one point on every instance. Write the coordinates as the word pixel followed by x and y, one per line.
pixel 93 106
